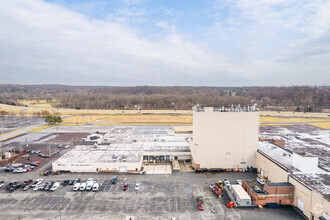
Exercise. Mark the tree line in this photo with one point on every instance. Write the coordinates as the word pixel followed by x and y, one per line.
pixel 296 98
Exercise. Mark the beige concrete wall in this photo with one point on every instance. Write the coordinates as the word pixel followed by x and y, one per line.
pixel 224 139
pixel 314 203
pixel 272 171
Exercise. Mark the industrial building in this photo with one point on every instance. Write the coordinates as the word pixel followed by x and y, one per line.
pixel 224 139
pixel 280 193
pixel 311 183
pixel 131 149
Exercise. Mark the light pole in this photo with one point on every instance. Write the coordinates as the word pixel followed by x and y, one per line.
pixel 59 210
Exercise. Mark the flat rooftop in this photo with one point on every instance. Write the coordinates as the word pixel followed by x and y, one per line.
pixel 279 184
pixel 130 141
pixel 100 156
pixel 320 182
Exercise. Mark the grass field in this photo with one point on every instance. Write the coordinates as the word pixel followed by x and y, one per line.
pixel 161 117
pixel 324 125
pixel 130 119
pixel 40 128
pixel 42 103
pixel 266 119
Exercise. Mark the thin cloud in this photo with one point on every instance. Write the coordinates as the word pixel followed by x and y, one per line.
pixel 44 42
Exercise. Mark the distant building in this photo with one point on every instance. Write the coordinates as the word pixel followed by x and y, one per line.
pixel 224 139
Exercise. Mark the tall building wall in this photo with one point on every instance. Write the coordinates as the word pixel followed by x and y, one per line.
pixel 224 139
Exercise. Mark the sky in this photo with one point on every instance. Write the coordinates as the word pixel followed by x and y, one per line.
pixel 165 42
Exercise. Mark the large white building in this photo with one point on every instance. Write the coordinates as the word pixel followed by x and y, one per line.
pixel 126 149
pixel 224 139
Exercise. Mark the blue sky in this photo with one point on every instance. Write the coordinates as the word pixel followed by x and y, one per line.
pixel 165 42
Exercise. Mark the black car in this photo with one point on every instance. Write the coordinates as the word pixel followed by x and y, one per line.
pixel 114 179
pixel 76 181
pixel 56 152
pixel 9 169
pixel 49 186
pixel 14 187
pixel 65 182
pixel 11 184
pixel 34 164
pixel 71 182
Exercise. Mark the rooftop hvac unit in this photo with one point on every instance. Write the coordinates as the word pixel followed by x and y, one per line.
pixel 284 155
pixel 275 148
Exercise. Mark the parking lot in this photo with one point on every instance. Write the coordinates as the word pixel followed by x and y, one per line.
pixel 159 197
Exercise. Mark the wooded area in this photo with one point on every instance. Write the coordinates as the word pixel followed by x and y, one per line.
pixel 295 98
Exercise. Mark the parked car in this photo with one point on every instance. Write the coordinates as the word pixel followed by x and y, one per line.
pixel 82 186
pixel 66 146
pixel 11 184
pixel 27 187
pixel 227 183
pixel 56 152
pixel 96 186
pixel 70 182
pixel 9 169
pixel 76 181
pixel 89 185
pixel 114 179
pixel 40 187
pixel 200 203
pixel 239 182
pixel 261 181
pixel 125 186
pixel 20 170
pixel 2 183
pixel 49 186
pixel 27 182
pixel 137 187
pixel 55 186
pixel 65 182
pixel 37 182
pixel 60 145
pixel 14 187
pixel 76 187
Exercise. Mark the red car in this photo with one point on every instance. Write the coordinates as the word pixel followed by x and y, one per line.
pixel 37 162
pixel 125 187
pixel 200 203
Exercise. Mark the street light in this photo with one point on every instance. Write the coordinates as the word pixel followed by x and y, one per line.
pixel 59 210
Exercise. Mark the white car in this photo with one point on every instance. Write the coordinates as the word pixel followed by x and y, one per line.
pixel 96 186
pixel 67 146
pixel 20 170
pixel 137 187
pixel 239 182
pixel 227 184
pixel 37 182
pixel 76 187
pixel 89 185
pixel 261 181
pixel 1 183
pixel 39 187
pixel 82 186
pixel 55 186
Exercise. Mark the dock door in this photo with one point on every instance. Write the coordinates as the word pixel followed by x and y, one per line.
pixel 122 169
